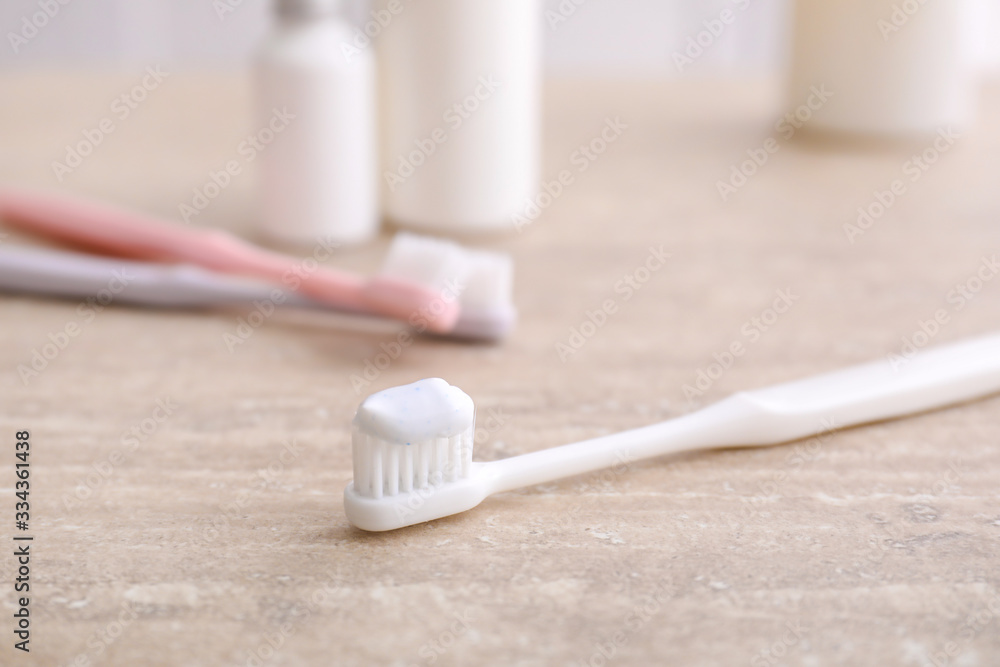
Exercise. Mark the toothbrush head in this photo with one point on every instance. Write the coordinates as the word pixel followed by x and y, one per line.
pixel 488 311
pixel 430 273
pixel 412 452
pixel 469 293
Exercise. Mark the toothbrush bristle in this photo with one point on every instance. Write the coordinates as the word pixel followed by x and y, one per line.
pixel 475 287
pixel 490 283
pixel 488 311
pixel 433 263
pixel 383 468
pixel 412 438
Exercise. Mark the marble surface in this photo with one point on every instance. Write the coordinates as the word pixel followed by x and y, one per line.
pixel 186 498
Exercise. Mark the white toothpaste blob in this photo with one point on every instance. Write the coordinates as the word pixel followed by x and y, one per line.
pixel 416 412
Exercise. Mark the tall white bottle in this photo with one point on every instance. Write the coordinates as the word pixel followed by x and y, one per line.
pixel 460 102
pixel 890 67
pixel 319 175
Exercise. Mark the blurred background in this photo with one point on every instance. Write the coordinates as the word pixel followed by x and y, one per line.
pixel 613 37
pixel 682 218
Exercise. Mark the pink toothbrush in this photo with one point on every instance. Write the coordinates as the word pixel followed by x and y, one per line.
pixel 113 231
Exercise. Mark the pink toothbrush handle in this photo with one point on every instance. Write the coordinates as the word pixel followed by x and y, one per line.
pixel 122 233
pixel 114 231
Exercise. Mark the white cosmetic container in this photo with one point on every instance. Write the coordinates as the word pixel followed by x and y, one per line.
pixel 319 174
pixel 460 102
pixel 891 67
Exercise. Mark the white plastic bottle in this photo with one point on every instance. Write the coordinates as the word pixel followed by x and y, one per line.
pixel 890 67
pixel 319 175
pixel 460 99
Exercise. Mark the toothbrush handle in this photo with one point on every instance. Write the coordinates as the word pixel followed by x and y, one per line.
pixel 125 234
pixel 67 274
pixel 875 391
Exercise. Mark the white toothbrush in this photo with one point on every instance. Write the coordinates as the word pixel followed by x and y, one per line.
pixel 487 311
pixel 412 445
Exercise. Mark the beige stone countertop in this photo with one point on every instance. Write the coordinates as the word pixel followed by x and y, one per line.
pixel 186 500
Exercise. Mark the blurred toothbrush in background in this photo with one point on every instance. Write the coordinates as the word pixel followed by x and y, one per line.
pixel 425 283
